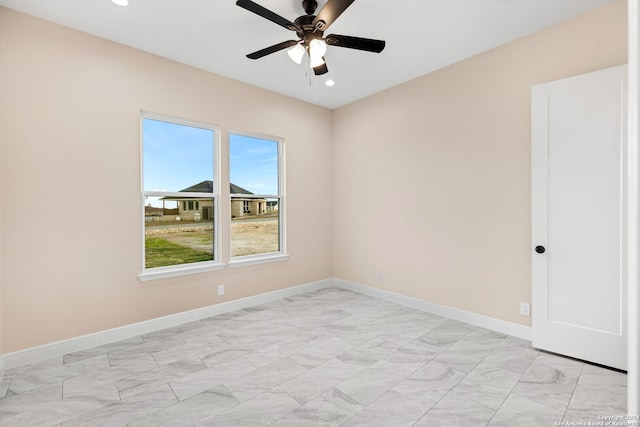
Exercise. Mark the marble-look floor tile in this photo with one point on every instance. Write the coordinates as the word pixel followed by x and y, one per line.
pixel 328 410
pixel 547 385
pixel 452 411
pixel 202 380
pixel 96 351
pixel 466 354
pixel 487 385
pixel 347 358
pixel 281 349
pixel 190 411
pixel 411 357
pixel 304 319
pixel 429 384
pixel 204 335
pixel 136 352
pixel 368 354
pixel 322 351
pixel 518 411
pixel 447 333
pixel 391 409
pixel 4 387
pixel 124 411
pixel 148 380
pixel 259 411
pixel 108 375
pixel 316 381
pixel 599 391
pixel 404 333
pixel 368 385
pixel 565 364
pixel 45 406
pixel 164 333
pixel 514 358
pixel 34 367
pixel 224 354
pixel 39 378
pixel 265 378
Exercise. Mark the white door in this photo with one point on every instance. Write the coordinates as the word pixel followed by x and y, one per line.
pixel 578 224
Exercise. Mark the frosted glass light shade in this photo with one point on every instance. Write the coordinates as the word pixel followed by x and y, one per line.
pixel 296 53
pixel 316 61
pixel 317 48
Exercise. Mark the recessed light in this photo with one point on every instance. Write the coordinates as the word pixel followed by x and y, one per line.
pixel 121 2
pixel 329 83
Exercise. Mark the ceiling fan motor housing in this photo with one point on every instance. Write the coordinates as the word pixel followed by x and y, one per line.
pixel 306 23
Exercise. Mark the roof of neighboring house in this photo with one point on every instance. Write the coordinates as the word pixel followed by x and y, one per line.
pixel 207 187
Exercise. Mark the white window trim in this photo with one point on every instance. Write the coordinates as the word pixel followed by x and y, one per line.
pixel 156 273
pixel 179 270
pixel 243 261
pixel 281 255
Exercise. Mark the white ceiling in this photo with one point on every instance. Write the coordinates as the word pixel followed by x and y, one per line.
pixel 215 35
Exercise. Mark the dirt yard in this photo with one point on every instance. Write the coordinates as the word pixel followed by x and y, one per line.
pixel 248 237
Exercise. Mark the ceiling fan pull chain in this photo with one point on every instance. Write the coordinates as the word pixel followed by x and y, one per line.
pixel 308 70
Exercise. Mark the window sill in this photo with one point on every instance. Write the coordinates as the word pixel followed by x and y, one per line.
pixel 243 261
pixel 179 270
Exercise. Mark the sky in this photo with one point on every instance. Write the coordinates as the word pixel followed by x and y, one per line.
pixel 178 156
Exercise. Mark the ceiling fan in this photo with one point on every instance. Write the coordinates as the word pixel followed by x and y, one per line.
pixel 310 29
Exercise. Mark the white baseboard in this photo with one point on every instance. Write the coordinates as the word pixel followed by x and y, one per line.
pixel 60 348
pixel 508 328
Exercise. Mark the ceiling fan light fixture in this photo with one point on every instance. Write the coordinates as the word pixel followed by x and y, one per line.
pixel 316 61
pixel 296 53
pixel 317 48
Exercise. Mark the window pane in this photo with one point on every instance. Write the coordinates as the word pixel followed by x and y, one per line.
pixel 256 234
pixel 174 236
pixel 177 157
pixel 253 164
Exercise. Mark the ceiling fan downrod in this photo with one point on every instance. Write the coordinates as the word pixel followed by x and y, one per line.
pixel 310 6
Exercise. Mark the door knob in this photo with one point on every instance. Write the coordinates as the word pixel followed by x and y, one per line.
pixel 540 249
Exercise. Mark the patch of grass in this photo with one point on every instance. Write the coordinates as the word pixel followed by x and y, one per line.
pixel 160 253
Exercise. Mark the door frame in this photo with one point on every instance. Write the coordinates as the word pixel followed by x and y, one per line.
pixel 633 210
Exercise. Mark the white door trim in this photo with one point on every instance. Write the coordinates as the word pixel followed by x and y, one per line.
pixel 633 216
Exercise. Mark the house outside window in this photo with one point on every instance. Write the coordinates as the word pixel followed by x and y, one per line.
pixel 257 197
pixel 179 217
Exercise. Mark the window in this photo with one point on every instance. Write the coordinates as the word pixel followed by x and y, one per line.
pixel 178 170
pixel 257 214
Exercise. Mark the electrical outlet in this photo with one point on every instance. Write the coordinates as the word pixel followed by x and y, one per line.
pixel 220 290
pixel 378 277
pixel 525 309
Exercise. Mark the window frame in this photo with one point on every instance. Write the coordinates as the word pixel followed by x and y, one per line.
pixel 190 268
pixel 281 255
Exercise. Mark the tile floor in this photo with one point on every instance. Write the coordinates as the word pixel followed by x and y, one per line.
pixel 325 358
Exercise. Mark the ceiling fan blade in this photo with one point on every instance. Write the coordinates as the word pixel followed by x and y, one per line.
pixel 329 13
pixel 370 45
pixel 267 14
pixel 321 69
pixel 272 49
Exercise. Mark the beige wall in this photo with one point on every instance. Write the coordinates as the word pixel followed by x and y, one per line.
pixel 69 129
pixel 432 177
